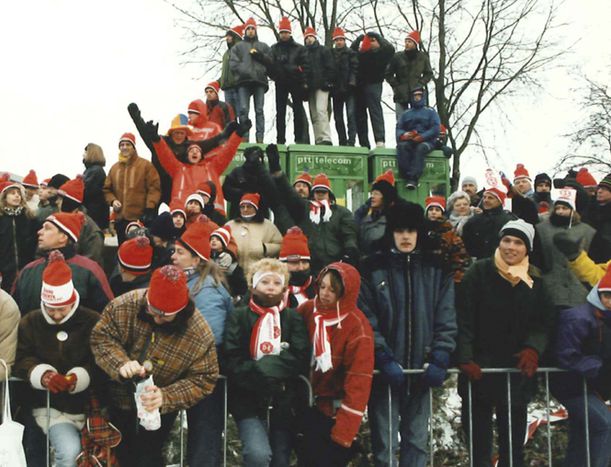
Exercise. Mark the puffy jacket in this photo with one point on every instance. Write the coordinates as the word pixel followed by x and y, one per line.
pixel 599 217
pixel 347 67
pixel 256 240
pixel 373 62
pixel 227 80
pixel 290 63
pixel 220 113
pixel 407 71
pixel 481 232
pixel 91 241
pixel 9 323
pixel 587 270
pixel 135 184
pixel 410 305
pixel 245 69
pixel 202 127
pixel 371 226
pixel 93 199
pixel 17 245
pixel 424 120
pixel 321 71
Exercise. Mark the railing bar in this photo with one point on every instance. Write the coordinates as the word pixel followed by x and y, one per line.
pixel 587 420
pixel 390 429
pixel 48 427
pixel 549 424
pixel 509 424
pixel 182 437
pixel 470 423
pixel 225 410
pixel 431 453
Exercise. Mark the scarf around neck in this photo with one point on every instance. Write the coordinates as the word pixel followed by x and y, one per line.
pixel 320 211
pixel 513 274
pixel 300 292
pixel 13 211
pixel 321 343
pixel 266 335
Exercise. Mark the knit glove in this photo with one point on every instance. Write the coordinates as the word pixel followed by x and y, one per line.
pixel 151 131
pixel 273 158
pixel 224 260
pixel 408 135
pixel 390 370
pixel 56 382
pixel 229 128
pixel 568 246
pixel 437 369
pixel 472 370
pixel 243 127
pixel 528 361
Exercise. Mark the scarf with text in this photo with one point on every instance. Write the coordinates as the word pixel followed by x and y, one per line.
pixel 265 338
pixel 321 343
pixel 320 211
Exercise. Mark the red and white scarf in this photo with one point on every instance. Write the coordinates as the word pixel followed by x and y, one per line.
pixel 300 292
pixel 321 343
pixel 320 211
pixel 266 335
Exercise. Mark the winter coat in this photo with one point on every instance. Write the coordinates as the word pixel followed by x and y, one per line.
pixel 256 240
pixel 481 232
pixel 587 270
pixel 17 245
pixel 212 301
pixel 407 71
pixel 373 62
pixel 91 241
pixel 39 350
pixel 290 63
pixel 87 276
pixel 583 346
pixel 135 184
pixel 446 248
pixel 566 289
pixel 410 305
pixel 321 71
pixel 424 120
pixel 93 199
pixel 227 79
pixel 245 69
pixel 599 217
pixel 343 391
pixel 220 112
pixel 371 225
pixel 201 127
pixel 347 67
pixel 245 178
pixel 186 177
pixel 9 323
pixel 254 385
pixel 184 360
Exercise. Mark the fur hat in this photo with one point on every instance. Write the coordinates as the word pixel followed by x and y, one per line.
pixel 136 255
pixel 70 223
pixel 294 246
pixel 168 291
pixel 57 287
pixel 521 229
pixel 404 215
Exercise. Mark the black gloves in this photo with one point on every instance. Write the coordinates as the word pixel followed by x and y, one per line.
pixel 243 127
pixel 229 128
pixel 151 131
pixel 134 111
pixel 351 256
pixel 253 155
pixel 148 216
pixel 273 158
pixel 567 245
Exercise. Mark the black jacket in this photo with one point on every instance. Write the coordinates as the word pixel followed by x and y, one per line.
pixel 93 199
pixel 346 66
pixel 481 232
pixel 17 245
pixel 373 62
pixel 290 63
pixel 321 72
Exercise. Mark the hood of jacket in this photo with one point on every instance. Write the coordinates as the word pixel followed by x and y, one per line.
pixel 199 105
pixel 351 279
pixel 594 300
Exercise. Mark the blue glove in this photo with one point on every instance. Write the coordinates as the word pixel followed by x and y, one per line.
pixel 391 371
pixel 435 373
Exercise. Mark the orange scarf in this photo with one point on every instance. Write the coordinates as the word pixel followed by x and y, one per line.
pixel 513 274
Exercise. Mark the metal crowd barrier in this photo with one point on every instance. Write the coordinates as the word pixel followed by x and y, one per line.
pixel 507 371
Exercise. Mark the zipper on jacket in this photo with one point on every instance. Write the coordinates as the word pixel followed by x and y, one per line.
pixel 15 244
pixel 409 313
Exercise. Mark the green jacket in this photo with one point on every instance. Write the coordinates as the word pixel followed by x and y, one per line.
pixel 405 74
pixel 227 80
pixel 254 385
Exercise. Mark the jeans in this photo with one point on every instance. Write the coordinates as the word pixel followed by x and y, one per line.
pixel 319 114
pixel 339 102
pixel 232 98
pixel 66 440
pixel 369 98
pixel 205 435
pixel 261 449
pixel 257 91
pixel 300 126
pixel 599 425
pixel 414 411
pixel 410 158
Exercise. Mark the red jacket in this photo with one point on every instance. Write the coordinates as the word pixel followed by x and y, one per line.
pixel 186 177
pixel 202 127
pixel 220 113
pixel 352 354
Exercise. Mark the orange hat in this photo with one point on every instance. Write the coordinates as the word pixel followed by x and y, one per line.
pixel 237 30
pixel 338 33
pixel 223 233
pixel 309 31
pixel 321 182
pixel 129 137
pixel 251 198
pixel 294 246
pixel 498 193
pixel 214 85
pixel 57 287
pixel 70 223
pixel 414 36
pixel 250 23
pixel 304 178
pixel 196 239
pixel 365 44
pixel 584 178
pixel 284 25
pixel 30 180
pixel 438 201
pixel 388 177
pixel 74 189
pixel 168 292
pixel 520 172
pixel 136 255
pixel 180 122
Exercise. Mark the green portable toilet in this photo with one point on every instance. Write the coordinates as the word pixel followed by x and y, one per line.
pixel 345 166
pixel 435 178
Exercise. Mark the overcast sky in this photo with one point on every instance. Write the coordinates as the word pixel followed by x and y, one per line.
pixel 71 67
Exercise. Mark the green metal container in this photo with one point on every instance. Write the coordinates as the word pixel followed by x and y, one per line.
pixel 435 178
pixel 346 168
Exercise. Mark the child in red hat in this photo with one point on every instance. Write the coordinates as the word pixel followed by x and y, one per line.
pixel 224 252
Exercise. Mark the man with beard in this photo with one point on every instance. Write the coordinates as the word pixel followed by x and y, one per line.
pixel 295 253
pixel 543 194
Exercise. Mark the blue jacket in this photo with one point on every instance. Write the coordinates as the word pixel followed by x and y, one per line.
pixel 214 303
pixel 424 314
pixel 424 120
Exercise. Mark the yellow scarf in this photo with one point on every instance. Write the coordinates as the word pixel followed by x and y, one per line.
pixel 513 274
pixel 123 159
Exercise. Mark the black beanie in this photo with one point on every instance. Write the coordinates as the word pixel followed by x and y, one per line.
pixel 163 226
pixel 606 182
pixel 388 191
pixel 543 177
pixel 57 181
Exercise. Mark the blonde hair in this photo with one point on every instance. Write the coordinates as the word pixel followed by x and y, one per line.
pixel 209 268
pixel 265 265
pixel 24 204
pixel 94 155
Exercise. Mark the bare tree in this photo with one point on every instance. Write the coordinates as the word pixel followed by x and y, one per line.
pixel 591 140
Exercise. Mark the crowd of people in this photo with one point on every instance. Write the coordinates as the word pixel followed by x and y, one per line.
pixel 215 285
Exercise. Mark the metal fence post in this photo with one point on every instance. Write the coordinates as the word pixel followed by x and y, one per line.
pixel 390 429
pixel 48 426
pixel 509 424
pixel 182 437
pixel 586 420
pixel 469 388
pixel 226 410
pixel 431 453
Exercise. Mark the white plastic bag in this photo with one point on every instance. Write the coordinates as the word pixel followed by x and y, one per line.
pixel 11 433
pixel 151 421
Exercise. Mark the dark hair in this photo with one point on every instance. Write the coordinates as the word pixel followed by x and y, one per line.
pixel 336 282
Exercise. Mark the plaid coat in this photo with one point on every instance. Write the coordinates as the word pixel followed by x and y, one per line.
pixel 184 361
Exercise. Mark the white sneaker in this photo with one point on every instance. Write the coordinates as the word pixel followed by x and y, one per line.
pixel 380 144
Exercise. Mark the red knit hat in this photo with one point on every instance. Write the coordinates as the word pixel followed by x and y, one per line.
pixel 321 182
pixel 250 23
pixel 204 189
pixel 309 31
pixel 498 193
pixel 168 291
pixel 223 233
pixel 605 283
pixel 136 255
pixel 195 197
pixel 5 185
pixel 438 201
pixel 45 182
pixel 284 25
pixel 129 137
pixel 5 177
pixel 133 225
pixel 196 239
pixel 214 85
pixel 414 36
pixel 304 178
pixel 520 172
pixel 365 44
pixel 70 223
pixel 338 33
pixel 443 131
pixel 237 30
pixel 177 206
pixel 584 178
pixel 294 246
pixel 57 287
pixel 251 198
pixel 74 189
pixel 388 177
pixel 30 180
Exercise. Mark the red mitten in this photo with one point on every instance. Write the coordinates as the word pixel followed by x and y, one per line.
pixel 406 136
pixel 528 361
pixel 472 370
pixel 56 382
pixel 418 138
